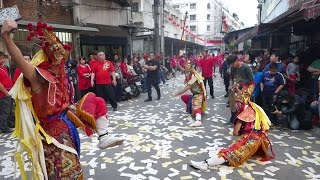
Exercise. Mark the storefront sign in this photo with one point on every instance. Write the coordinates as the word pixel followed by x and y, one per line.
pixel 312 12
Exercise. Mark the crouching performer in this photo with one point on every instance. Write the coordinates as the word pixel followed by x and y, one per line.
pixel 252 124
pixel 196 103
pixel 43 95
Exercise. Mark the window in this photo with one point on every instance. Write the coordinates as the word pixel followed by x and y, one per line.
pixel 193 6
pixel 193 17
pixel 208 17
pixel 176 6
pixel 208 27
pixel 135 7
pixel 208 6
pixel 193 28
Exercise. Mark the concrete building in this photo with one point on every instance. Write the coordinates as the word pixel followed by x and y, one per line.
pixel 56 13
pixel 208 19
pixel 107 16
pixel 143 23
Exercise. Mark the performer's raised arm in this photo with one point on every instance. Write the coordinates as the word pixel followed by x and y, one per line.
pixel 27 69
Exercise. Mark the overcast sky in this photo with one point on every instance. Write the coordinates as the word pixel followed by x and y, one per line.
pixel 246 10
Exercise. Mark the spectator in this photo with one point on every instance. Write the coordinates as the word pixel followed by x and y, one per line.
pixel 137 66
pixel 293 75
pixel 226 74
pixel 71 66
pixel 257 78
pixel 152 66
pixel 84 76
pixel 314 69
pixel 124 69
pixel 17 72
pixel 265 60
pixel 241 79
pixel 93 58
pixel 274 58
pixel 104 76
pixel 144 79
pixel 130 68
pixel 119 78
pixel 207 66
pixel 6 120
pixel 272 83
pixel 292 112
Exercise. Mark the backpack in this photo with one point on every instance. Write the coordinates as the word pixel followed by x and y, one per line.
pixel 306 122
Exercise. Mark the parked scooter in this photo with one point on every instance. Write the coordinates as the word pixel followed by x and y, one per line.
pixel 131 87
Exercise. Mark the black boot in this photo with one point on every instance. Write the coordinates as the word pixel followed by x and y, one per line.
pixel 233 117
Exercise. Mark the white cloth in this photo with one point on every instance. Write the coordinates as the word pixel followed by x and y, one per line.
pixel 102 125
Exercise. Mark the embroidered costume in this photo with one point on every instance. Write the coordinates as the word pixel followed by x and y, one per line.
pixel 253 140
pixel 196 103
pixel 255 123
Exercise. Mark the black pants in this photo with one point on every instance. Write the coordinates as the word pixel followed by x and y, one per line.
pixel 226 82
pixel 6 113
pixel 118 91
pixel 154 81
pixel 84 92
pixel 210 83
pixel 106 92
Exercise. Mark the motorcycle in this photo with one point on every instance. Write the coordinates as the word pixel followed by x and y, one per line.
pixel 131 87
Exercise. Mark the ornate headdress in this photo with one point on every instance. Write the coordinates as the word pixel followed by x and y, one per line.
pixel 189 65
pixel 49 42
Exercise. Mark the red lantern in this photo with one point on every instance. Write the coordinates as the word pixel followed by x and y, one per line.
pixel 170 18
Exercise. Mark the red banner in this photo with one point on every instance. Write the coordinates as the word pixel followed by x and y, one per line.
pixel 312 12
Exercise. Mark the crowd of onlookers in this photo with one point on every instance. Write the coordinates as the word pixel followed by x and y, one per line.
pixel 283 87
pixel 286 86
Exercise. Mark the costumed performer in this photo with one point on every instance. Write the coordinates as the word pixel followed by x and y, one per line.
pixel 43 94
pixel 251 123
pixel 196 103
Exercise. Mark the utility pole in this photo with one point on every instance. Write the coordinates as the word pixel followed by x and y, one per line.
pixel 162 28
pixel 156 27
pixel 76 35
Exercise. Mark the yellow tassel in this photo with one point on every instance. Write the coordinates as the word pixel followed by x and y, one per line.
pixel 262 120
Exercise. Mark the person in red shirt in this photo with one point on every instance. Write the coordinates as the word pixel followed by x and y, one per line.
pixel 93 58
pixel 207 67
pixel 6 120
pixel 103 77
pixel 17 72
pixel 84 76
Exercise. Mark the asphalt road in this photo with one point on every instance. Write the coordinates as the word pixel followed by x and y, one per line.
pixel 159 144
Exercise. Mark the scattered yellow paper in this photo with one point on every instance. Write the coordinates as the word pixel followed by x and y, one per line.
pixel 166 164
pixel 185 177
pixel 177 161
pixel 304 153
pixel 307 147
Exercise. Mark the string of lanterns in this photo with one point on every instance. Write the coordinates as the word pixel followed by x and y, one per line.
pixel 186 30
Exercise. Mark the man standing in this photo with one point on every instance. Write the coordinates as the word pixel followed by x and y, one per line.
pixel 314 69
pixel 5 98
pixel 241 78
pixel 225 74
pixel 152 66
pixel 207 65
pixel 103 75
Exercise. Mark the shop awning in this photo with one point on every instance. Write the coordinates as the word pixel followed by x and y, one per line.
pixel 124 3
pixel 311 9
pixel 214 42
pixel 259 30
pixel 233 35
pixel 63 27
